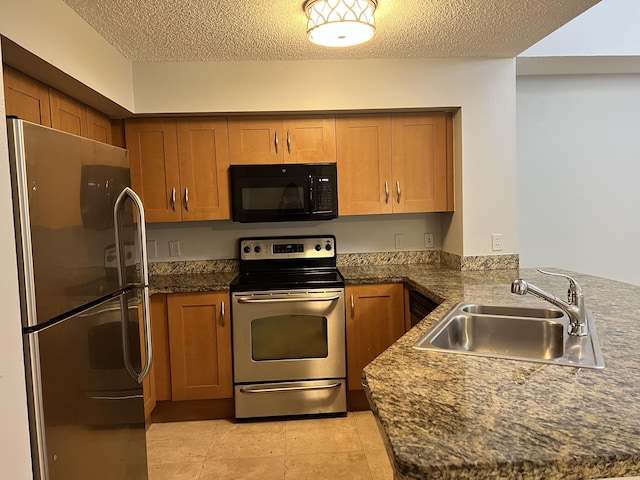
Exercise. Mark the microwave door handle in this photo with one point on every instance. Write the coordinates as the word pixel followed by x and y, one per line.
pixel 146 314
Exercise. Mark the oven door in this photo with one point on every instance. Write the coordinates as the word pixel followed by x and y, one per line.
pixel 288 335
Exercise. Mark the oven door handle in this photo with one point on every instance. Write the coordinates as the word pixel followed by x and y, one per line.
pixel 286 299
pixel 328 386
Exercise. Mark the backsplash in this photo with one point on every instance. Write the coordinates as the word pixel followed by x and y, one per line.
pixel 428 257
pixel 480 262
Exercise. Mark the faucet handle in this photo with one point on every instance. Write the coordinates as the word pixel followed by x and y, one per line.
pixel 574 287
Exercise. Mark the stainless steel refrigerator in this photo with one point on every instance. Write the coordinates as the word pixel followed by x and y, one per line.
pixel 81 250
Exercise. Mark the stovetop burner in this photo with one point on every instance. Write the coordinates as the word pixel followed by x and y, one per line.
pixel 292 262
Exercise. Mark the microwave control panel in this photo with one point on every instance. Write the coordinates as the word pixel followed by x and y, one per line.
pixel 324 194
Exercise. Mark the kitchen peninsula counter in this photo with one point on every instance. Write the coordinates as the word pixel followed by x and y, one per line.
pixel 452 416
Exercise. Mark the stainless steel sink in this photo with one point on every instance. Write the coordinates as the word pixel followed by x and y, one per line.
pixel 513 311
pixel 515 333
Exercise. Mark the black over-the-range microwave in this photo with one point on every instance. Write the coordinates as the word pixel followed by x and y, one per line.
pixel 284 192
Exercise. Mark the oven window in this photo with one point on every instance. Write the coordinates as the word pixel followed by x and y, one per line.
pixel 284 337
pixel 288 198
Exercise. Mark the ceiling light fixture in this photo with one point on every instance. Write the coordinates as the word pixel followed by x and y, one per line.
pixel 340 23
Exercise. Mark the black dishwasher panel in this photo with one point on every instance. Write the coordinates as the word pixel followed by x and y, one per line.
pixel 420 306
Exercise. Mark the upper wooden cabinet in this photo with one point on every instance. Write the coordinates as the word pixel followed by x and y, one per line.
pixel 99 127
pixel 375 320
pixel 295 139
pixel 68 114
pixel 394 163
pixel 180 167
pixel 364 164
pixel 33 101
pixel 25 97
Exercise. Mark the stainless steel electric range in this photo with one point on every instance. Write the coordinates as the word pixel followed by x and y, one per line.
pixel 288 324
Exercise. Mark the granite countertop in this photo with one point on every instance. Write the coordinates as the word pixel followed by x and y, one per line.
pixel 451 416
pixel 190 282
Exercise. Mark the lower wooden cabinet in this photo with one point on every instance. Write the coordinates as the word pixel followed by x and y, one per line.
pixel 191 347
pixel 199 346
pixel 375 320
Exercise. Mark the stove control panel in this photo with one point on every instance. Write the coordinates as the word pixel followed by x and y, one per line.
pixel 273 248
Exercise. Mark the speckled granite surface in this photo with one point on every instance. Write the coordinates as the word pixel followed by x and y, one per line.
pixel 194 282
pixel 448 416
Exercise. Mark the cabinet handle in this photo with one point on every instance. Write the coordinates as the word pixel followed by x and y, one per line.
pixel 222 313
pixel 398 189
pixel 173 199
pixel 288 141
pixel 275 142
pixel 186 198
pixel 353 307
pixel 386 191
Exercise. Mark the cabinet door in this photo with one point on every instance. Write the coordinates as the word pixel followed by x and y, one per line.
pixel 25 97
pixel 375 319
pixel 419 162
pixel 160 339
pixel 204 166
pixel 309 139
pixel 200 346
pixel 149 382
pixel 255 140
pixel 153 155
pixel 98 126
pixel 364 164
pixel 67 114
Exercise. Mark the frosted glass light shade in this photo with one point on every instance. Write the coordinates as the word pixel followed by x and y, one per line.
pixel 340 23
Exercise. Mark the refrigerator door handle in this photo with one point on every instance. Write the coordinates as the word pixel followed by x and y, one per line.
pixel 146 315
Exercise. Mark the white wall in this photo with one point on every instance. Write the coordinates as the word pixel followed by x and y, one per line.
pixel 578 173
pixel 51 30
pixel 483 88
pixel 219 240
pixel 15 453
pixel 608 28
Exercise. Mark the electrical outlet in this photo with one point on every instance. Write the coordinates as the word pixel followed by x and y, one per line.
pixel 428 240
pixel 152 249
pixel 399 240
pixel 174 248
pixel 496 242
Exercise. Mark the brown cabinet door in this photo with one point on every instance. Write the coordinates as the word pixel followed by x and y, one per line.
pixel 153 155
pixel 25 97
pixel 364 164
pixel 309 139
pixel 149 382
pixel 204 166
pixel 375 319
pixel 256 140
pixel 419 162
pixel 67 114
pixel 98 126
pixel 160 341
pixel 200 346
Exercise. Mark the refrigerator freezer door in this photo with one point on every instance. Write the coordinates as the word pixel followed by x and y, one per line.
pixel 64 189
pixel 90 409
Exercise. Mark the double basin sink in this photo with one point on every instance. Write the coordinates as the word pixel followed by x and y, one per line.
pixel 514 333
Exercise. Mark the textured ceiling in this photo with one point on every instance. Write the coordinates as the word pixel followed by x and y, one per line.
pixel 238 30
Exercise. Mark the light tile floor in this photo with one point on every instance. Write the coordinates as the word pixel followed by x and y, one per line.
pixel 317 448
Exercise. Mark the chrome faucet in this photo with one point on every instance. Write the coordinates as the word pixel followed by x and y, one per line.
pixel 574 307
